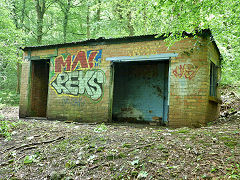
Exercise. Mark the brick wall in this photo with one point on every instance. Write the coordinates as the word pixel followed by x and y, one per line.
pixel 213 105
pixel 189 85
pixel 189 82
pixel 23 104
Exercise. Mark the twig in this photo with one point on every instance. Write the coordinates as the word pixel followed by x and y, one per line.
pixel 96 166
pixel 27 148
pixel 5 163
pixel 33 144
pixel 20 158
pixel 139 147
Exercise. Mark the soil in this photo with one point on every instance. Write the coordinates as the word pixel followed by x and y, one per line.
pixel 42 149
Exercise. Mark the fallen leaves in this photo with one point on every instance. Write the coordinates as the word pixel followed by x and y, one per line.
pixel 51 149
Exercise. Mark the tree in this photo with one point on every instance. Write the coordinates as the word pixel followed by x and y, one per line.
pixel 40 6
pixel 10 40
pixel 65 7
pixel 222 17
pixel 50 22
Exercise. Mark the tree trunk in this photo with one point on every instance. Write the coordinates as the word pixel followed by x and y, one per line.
pixel 129 24
pixel 65 20
pixel 99 10
pixel 40 9
pixel 18 25
pixel 39 29
pixel 65 23
pixel 23 13
pixel 88 23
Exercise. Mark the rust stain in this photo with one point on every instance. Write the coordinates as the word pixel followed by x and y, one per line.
pixel 159 90
pixel 156 118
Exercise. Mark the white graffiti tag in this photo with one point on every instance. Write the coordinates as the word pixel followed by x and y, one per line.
pixel 76 83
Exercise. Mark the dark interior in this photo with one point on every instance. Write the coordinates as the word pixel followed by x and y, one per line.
pixel 39 87
pixel 140 91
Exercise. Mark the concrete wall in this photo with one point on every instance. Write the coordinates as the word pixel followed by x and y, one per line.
pixel 188 73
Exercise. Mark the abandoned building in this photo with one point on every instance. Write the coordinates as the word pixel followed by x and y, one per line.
pixel 133 79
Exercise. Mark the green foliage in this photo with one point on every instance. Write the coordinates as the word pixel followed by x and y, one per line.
pixel 32 158
pixel 234 171
pixel 183 130
pixel 222 17
pixel 126 145
pixel 101 128
pixel 10 40
pixel 9 97
pixel 142 174
pixel 5 128
pixel 29 159
pixel 72 20
pixel 70 164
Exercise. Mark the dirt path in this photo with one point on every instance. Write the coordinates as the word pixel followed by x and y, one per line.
pixel 41 149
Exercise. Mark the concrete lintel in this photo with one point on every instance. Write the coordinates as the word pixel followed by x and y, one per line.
pixel 155 57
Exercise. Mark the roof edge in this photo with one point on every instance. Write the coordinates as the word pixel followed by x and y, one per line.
pixel 128 39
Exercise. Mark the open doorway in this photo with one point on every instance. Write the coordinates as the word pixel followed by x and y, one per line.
pixel 39 87
pixel 140 91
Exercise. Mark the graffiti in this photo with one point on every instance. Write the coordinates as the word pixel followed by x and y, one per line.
pixel 88 82
pixel 187 70
pixel 72 101
pixel 83 60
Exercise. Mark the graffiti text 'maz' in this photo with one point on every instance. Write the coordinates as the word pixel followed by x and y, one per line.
pixel 76 83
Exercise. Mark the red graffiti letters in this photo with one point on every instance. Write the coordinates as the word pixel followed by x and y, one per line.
pixel 83 60
pixel 59 63
pixel 186 70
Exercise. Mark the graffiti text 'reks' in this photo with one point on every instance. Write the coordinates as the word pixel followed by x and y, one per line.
pixel 76 83
pixel 83 60
pixel 186 70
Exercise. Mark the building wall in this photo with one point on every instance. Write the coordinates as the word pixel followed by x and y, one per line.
pixel 91 102
pixel 23 103
pixel 213 105
pixel 189 86
pixel 188 74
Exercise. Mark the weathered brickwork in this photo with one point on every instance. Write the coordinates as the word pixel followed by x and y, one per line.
pixel 23 104
pixel 213 105
pixel 80 86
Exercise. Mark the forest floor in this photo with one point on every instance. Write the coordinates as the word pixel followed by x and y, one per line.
pixel 41 149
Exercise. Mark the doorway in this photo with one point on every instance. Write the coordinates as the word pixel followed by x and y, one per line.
pixel 140 91
pixel 39 87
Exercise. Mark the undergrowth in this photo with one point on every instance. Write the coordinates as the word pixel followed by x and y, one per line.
pixel 8 97
pixel 5 128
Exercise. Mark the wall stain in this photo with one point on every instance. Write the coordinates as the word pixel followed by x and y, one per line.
pixel 159 90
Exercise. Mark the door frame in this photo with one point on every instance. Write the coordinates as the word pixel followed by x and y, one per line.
pixel 156 57
pixel 30 81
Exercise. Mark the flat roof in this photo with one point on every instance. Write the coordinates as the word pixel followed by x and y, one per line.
pixel 127 39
